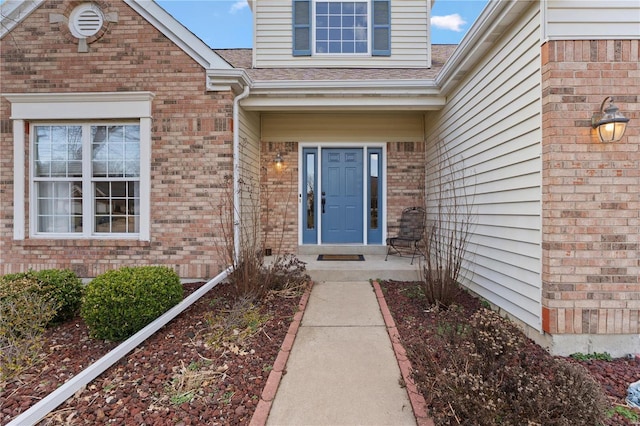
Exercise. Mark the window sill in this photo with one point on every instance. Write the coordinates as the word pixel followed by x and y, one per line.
pixel 70 242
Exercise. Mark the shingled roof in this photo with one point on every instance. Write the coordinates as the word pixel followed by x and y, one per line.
pixel 242 58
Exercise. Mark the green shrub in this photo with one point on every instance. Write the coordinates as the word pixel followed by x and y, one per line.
pixel 579 356
pixel 25 312
pixel 119 303
pixel 62 286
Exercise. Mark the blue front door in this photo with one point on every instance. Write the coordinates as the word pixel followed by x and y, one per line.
pixel 342 195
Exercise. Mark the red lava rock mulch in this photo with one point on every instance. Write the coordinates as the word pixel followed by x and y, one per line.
pixel 173 378
pixel 410 317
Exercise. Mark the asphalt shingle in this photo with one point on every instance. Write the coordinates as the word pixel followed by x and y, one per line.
pixel 242 58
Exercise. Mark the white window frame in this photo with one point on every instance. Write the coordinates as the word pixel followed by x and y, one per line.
pixel 28 108
pixel 382 203
pixel 89 182
pixel 314 51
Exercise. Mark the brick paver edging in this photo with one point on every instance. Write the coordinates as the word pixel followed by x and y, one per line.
pixel 417 400
pixel 261 414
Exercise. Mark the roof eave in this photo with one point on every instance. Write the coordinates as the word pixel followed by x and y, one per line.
pixel 221 80
pixel 178 33
pixel 344 95
pixel 490 25
pixel 12 12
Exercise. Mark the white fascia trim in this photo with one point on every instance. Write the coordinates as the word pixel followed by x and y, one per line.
pixel 12 12
pixel 79 106
pixel 316 86
pixel 342 103
pixel 178 33
pixel 494 19
pixel 228 79
pixel 346 95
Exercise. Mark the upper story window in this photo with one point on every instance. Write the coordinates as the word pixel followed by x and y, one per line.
pixel 341 27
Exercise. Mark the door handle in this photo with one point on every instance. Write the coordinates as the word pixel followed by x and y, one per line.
pixel 324 201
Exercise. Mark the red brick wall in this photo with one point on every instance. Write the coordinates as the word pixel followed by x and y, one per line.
pixel 405 180
pixel 591 190
pixel 279 195
pixel 191 140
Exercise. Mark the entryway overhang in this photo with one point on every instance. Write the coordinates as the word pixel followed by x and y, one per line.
pixel 356 95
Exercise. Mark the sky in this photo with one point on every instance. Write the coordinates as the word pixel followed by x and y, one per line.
pixel 228 23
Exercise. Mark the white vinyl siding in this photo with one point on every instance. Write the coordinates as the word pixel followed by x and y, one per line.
pixel 280 127
pixel 410 44
pixel 249 133
pixel 592 20
pixel 490 128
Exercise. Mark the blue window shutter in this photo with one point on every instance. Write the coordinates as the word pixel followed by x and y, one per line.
pixel 381 28
pixel 301 28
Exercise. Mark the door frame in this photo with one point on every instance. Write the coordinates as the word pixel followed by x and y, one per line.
pixel 382 147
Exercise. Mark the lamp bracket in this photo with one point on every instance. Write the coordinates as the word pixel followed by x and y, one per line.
pixel 597 116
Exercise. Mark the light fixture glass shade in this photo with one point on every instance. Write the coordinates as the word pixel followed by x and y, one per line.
pixel 612 132
pixel 610 123
pixel 278 161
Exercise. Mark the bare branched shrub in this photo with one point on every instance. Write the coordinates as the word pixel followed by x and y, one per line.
pixel 24 315
pixel 251 276
pixel 481 371
pixel 450 218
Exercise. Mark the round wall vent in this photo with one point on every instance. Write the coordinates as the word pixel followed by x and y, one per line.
pixel 86 20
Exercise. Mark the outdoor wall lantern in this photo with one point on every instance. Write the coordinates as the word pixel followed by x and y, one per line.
pixel 610 123
pixel 278 161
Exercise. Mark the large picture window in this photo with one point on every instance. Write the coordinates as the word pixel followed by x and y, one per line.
pixel 86 179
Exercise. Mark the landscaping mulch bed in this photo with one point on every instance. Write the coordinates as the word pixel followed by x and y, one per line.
pixel 174 378
pixel 412 317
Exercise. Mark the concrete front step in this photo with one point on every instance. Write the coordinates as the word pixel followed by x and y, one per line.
pixel 341 249
pixel 322 275
pixel 373 267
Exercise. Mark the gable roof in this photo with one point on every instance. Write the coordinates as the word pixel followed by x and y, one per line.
pixel 13 12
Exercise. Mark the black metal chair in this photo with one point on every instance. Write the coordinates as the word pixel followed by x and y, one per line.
pixel 412 224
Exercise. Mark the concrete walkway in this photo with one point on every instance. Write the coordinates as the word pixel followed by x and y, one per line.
pixel 342 369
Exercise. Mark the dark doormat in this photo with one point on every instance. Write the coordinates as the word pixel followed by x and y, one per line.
pixel 341 257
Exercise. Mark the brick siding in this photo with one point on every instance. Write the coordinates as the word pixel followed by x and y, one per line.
pixel 591 190
pixel 191 141
pixel 279 197
pixel 405 180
